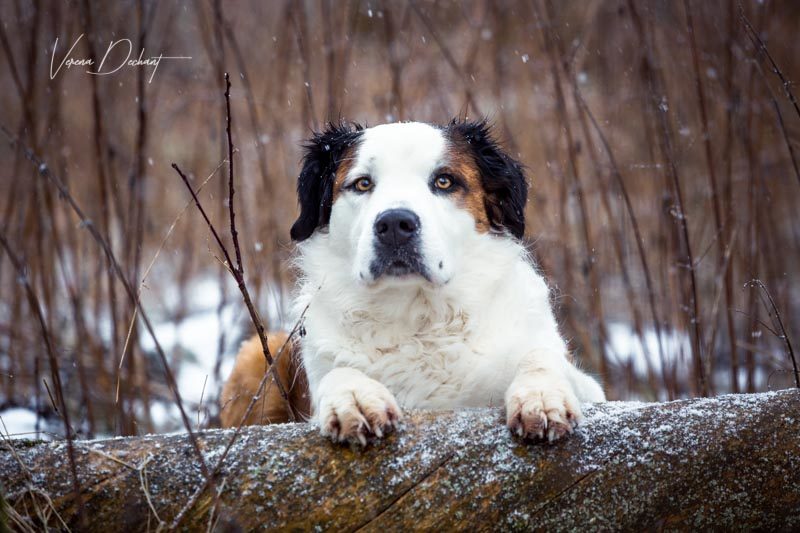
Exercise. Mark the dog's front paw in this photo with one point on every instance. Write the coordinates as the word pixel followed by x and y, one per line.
pixel 539 408
pixel 357 409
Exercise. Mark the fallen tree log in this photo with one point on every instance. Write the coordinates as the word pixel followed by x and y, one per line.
pixel 727 462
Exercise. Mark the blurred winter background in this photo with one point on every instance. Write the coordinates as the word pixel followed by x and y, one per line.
pixel 660 141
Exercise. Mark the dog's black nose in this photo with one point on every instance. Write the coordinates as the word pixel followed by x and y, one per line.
pixel 395 227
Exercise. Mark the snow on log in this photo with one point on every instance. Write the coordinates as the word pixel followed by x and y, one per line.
pixel 727 462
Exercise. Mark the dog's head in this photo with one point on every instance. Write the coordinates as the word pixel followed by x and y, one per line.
pixel 401 201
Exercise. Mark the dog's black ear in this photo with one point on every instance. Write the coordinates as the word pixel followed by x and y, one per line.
pixel 502 176
pixel 322 155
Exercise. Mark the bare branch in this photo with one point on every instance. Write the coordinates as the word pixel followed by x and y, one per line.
pixel 231 210
pixel 784 336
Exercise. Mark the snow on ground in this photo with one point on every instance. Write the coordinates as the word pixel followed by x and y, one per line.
pixel 193 344
pixel 19 423
pixel 199 335
pixel 628 348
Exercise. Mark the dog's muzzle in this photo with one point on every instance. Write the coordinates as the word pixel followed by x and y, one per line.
pixel 397 244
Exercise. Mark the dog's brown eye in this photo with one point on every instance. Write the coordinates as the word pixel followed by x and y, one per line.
pixel 443 181
pixel 363 184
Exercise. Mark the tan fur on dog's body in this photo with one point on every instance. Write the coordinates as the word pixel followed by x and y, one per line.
pixel 247 373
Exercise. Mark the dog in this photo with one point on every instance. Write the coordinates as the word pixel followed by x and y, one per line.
pixel 416 289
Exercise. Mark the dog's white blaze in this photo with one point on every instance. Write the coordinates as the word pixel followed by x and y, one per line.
pixel 401 159
pixel 463 339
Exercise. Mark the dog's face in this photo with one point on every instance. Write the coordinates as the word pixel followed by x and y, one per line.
pixel 401 201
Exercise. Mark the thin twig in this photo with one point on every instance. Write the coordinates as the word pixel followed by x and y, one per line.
pixel 234 234
pixel 212 517
pixel 783 334
pixel 781 123
pixel 761 47
pixel 108 456
pixel 200 405
pixel 142 470
pixel 35 491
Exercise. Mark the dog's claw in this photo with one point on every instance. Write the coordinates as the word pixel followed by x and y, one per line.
pixel 542 414
pixel 356 412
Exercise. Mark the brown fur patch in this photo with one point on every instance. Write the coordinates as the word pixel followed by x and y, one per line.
pixel 472 198
pixel 344 167
pixel 247 373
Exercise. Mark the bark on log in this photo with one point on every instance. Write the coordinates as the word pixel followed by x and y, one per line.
pixel 727 462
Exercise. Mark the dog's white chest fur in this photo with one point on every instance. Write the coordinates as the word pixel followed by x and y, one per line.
pixel 458 345
pixel 426 354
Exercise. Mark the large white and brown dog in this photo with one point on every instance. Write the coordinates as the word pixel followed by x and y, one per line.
pixel 417 290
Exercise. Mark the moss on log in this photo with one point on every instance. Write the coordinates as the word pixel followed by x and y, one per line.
pixel 727 462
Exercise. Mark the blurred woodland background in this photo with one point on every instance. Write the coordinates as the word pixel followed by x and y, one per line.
pixel 661 143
